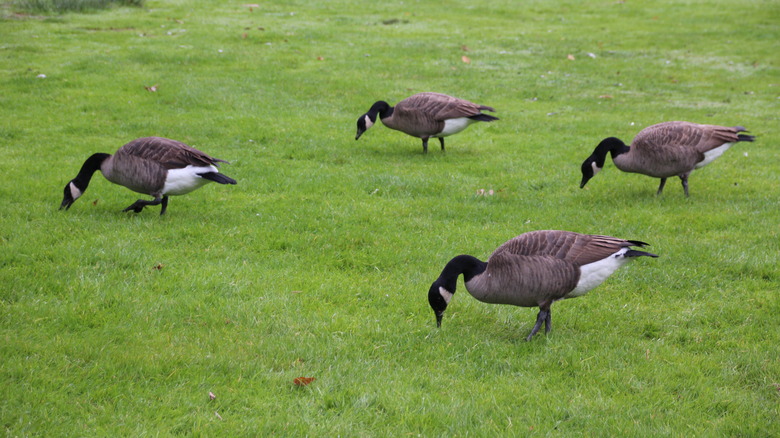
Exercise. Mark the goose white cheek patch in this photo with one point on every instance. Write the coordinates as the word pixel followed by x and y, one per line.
pixel 447 295
pixel 74 191
pixel 369 123
pixel 596 168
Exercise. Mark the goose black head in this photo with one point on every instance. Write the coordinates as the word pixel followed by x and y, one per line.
pixel 589 169
pixel 72 192
pixel 78 185
pixel 595 162
pixel 438 297
pixel 363 123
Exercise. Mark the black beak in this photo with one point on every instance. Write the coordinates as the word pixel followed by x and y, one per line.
pixel 359 133
pixel 66 203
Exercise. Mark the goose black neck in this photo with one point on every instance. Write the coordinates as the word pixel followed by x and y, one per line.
pixel 613 145
pixel 464 264
pixel 382 108
pixel 89 167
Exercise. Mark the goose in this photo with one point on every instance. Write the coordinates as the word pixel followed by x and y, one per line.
pixel 426 115
pixel 535 269
pixel 664 150
pixel 154 166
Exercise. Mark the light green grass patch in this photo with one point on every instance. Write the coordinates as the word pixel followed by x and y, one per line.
pixel 317 263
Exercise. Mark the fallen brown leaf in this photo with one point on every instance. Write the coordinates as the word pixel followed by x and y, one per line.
pixel 212 396
pixel 605 96
pixel 152 89
pixel 159 266
pixel 465 48
pixel 465 59
pixel 570 57
pixel 320 58
pixel 303 381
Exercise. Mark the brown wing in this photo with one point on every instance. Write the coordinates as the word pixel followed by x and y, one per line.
pixel 171 154
pixel 441 107
pixel 681 142
pixel 579 249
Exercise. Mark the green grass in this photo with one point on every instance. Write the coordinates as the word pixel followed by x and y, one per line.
pixel 318 262
pixel 71 5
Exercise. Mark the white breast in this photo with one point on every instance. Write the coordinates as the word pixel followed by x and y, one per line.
pixel 183 181
pixel 454 126
pixel 593 274
pixel 712 154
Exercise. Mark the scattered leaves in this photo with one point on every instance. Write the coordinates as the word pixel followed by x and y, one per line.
pixel 152 89
pixel 483 192
pixel 320 58
pixel 303 381
pixel 95 202
pixel 465 59
pixel 212 396
pixel 570 57
pixel 158 266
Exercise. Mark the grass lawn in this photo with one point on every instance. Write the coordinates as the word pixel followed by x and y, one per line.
pixel 317 264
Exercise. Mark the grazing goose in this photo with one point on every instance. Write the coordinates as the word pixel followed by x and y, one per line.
pixel 535 269
pixel 664 150
pixel 153 166
pixel 426 115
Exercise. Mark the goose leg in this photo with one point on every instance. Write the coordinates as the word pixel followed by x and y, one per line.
pixel 425 145
pixel 548 321
pixel 542 316
pixel 139 205
pixel 164 204
pixel 441 140
pixel 685 184
pixel 661 187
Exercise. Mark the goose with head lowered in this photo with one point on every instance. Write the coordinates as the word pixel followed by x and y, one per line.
pixel 535 269
pixel 664 150
pixel 155 166
pixel 426 115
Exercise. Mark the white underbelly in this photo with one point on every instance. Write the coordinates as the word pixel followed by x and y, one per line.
pixel 712 154
pixel 185 180
pixel 593 274
pixel 454 126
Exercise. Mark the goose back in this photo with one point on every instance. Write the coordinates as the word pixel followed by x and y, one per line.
pixel 675 148
pixel 425 114
pixel 142 165
pixel 542 266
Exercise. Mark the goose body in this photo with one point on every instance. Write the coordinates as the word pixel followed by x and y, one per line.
pixel 535 269
pixel 665 150
pixel 155 166
pixel 426 115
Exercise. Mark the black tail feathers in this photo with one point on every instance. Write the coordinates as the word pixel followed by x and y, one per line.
pixel 218 178
pixel 483 118
pixel 635 253
pixel 743 137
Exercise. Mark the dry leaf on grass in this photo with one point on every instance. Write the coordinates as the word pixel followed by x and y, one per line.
pixel 465 59
pixel 212 396
pixel 152 89
pixel 570 57
pixel 303 381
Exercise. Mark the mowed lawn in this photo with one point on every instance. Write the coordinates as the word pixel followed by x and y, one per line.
pixel 317 264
